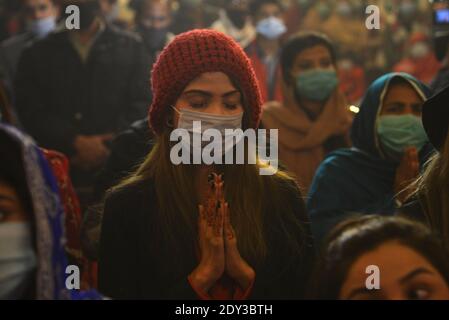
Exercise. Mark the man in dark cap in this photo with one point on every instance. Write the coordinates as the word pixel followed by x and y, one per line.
pixel 77 88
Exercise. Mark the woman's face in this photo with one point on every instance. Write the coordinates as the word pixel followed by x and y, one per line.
pixel 402 99
pixel 211 92
pixel 156 14
pixel 11 208
pixel 317 57
pixel 404 275
pixel 268 10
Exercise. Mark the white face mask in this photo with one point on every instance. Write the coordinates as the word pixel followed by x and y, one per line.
pixel 42 27
pixel 17 259
pixel 210 121
pixel 271 28
pixel 113 14
pixel 419 50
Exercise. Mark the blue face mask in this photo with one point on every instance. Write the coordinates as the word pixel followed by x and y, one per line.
pixel 344 9
pixel 17 259
pixel 42 27
pixel 324 10
pixel 396 133
pixel 316 85
pixel 408 9
pixel 271 28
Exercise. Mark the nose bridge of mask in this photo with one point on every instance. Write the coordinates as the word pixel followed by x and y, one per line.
pixel 399 121
pixel 208 120
pixel 320 71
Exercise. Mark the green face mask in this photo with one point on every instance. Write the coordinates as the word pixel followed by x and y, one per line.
pixel 316 85
pixel 396 133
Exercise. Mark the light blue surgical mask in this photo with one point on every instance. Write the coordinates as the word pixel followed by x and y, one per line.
pixel 399 132
pixel 408 9
pixel 324 10
pixel 112 15
pixel 17 259
pixel 344 9
pixel 42 27
pixel 271 28
pixel 316 85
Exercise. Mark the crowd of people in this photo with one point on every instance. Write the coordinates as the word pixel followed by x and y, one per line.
pixel 87 179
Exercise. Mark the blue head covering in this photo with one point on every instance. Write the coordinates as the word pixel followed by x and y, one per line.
pixel 48 220
pixel 361 179
pixel 363 132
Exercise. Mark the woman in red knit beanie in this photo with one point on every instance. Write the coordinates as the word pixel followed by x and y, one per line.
pixel 203 231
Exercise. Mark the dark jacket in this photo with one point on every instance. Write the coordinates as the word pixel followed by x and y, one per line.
pixel 10 52
pixel 128 150
pixel 60 97
pixel 413 209
pixel 135 264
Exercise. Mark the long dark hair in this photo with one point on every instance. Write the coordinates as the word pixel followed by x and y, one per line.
pixel 354 237
pixel 432 190
pixel 249 195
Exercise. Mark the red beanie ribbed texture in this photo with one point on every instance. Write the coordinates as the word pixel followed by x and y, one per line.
pixel 191 54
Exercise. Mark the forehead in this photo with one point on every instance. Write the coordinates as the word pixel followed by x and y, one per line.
pixel 211 81
pixel 394 260
pixel 269 7
pixel 153 5
pixel 402 91
pixel 36 2
pixel 238 4
pixel 313 53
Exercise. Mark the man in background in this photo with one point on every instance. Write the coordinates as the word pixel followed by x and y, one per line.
pixel 40 19
pixel 235 21
pixel 77 88
pixel 264 51
pixel 153 20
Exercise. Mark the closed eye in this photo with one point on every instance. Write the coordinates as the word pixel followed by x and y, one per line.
pixel 417 107
pixel 395 107
pixel 325 63
pixel 231 106
pixel 198 105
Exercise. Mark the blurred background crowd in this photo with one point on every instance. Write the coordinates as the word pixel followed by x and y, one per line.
pixel 404 42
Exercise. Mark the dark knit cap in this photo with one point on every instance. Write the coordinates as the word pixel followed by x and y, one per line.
pixel 435 117
pixel 189 55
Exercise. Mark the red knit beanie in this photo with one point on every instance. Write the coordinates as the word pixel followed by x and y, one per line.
pixel 191 54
